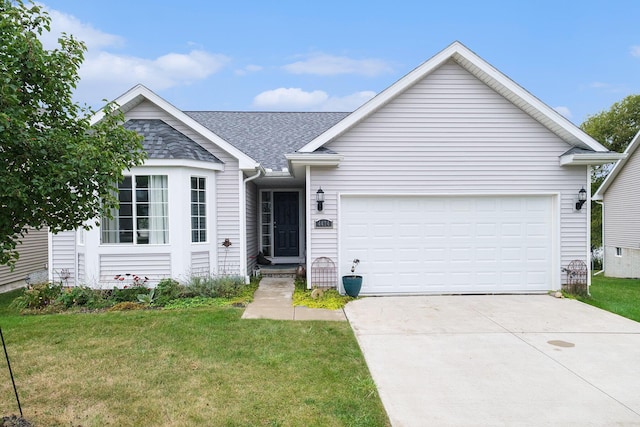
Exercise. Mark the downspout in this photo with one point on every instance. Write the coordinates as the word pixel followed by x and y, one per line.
pixel 588 229
pixel 243 221
pixel 602 234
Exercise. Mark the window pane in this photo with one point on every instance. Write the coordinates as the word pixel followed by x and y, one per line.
pixel 142 181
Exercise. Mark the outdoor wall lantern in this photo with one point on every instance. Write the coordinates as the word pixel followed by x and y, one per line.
pixel 320 198
pixel 582 198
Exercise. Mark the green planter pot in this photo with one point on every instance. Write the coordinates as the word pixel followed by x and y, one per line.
pixel 352 285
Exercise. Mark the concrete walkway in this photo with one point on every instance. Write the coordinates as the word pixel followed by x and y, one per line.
pixel 273 300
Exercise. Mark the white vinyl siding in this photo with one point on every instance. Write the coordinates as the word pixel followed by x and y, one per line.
pixel 227 203
pixel 622 206
pixel 33 257
pixel 200 263
pixel 450 134
pixel 154 266
pixel 63 257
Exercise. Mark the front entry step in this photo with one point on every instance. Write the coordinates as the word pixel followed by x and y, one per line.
pixel 279 270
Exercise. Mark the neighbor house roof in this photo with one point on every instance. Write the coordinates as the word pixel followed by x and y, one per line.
pixel 267 136
pixel 162 141
pixel 631 148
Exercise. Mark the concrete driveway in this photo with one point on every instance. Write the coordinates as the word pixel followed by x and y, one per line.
pixel 513 360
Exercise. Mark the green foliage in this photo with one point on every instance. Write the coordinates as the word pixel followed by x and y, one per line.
pixel 616 127
pixel 79 296
pixel 147 299
pixel 329 298
pixel 214 286
pixel 59 170
pixel 38 296
pixel 167 290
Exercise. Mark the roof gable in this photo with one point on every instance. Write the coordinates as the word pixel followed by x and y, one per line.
pixel 139 93
pixel 486 73
pixel 618 167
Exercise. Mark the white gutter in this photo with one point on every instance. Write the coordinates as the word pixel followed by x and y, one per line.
pixel 243 220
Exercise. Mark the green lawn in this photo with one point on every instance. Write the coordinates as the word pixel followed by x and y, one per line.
pixel 620 296
pixel 202 366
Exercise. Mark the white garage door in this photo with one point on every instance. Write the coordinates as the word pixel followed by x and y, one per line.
pixel 420 244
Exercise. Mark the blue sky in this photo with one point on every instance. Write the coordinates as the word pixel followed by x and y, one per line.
pixel 578 57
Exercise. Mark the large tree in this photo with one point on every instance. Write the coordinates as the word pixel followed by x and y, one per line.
pixel 613 128
pixel 58 170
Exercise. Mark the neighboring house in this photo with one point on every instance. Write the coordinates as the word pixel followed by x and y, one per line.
pixel 453 180
pixel 620 195
pixel 32 263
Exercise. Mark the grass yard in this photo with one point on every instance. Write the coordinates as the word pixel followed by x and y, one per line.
pixel 620 296
pixel 185 367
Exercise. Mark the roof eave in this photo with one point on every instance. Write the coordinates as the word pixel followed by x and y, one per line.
pixel 590 159
pixel 633 146
pixel 314 159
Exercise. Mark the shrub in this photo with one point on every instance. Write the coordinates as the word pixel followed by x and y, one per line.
pixel 79 296
pixel 167 290
pixel 214 286
pixel 38 296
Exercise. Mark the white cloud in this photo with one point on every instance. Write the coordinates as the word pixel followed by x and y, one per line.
pixel 164 72
pixel 565 111
pixel 635 51
pixel 105 74
pixel 290 98
pixel 329 65
pixel 62 22
pixel 296 99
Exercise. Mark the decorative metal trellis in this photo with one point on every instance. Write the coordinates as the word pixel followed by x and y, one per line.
pixel 576 277
pixel 323 273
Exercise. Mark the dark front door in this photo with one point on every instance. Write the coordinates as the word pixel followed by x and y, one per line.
pixel 286 227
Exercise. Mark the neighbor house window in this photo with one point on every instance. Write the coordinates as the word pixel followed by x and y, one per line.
pixel 143 216
pixel 618 251
pixel 198 210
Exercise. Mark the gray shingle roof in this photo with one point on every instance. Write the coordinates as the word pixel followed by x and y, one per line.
pixel 267 136
pixel 162 141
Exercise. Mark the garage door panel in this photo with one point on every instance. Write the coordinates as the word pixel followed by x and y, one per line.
pixel 448 244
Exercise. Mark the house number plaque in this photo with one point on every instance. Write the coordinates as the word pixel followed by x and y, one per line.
pixel 324 223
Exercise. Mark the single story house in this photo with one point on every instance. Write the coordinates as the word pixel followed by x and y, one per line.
pixel 453 180
pixel 620 196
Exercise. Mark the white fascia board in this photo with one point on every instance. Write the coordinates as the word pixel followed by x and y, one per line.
pixel 314 159
pixel 588 159
pixel 631 148
pixel 139 92
pixel 184 163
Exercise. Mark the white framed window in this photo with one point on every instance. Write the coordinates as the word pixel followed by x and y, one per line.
pixel 143 215
pixel 618 251
pixel 198 209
